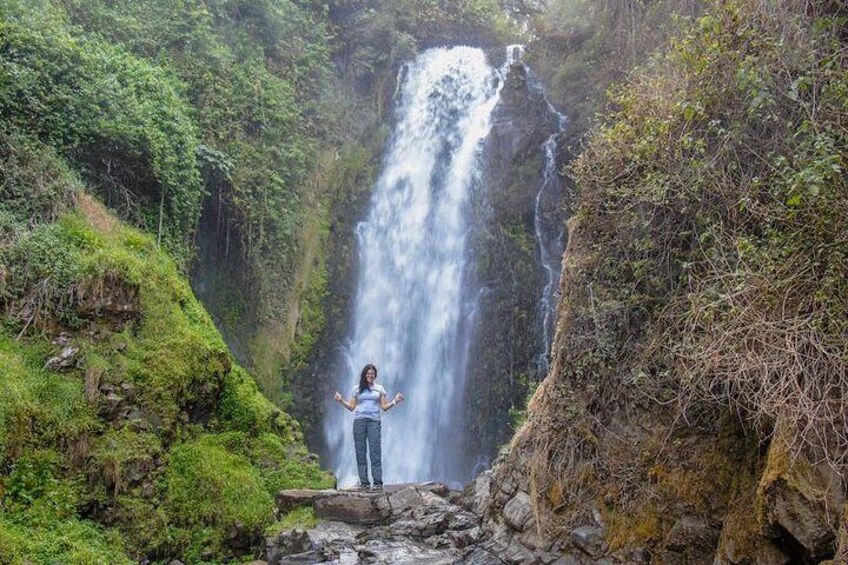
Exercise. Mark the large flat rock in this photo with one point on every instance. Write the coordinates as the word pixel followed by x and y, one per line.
pixel 288 500
pixel 352 507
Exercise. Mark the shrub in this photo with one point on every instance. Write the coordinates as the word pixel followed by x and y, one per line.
pixel 121 121
pixel 717 196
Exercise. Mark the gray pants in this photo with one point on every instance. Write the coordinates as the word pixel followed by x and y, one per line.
pixel 365 431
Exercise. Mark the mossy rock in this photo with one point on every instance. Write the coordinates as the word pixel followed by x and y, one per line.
pixel 163 436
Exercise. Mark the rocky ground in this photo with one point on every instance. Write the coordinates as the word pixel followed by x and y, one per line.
pixel 419 523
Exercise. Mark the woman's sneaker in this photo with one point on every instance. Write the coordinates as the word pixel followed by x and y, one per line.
pixel 360 488
pixel 377 488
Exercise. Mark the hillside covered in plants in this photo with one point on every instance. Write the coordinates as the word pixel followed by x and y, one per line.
pixel 695 411
pixel 128 430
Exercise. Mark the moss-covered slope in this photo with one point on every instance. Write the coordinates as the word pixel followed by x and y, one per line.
pixel 126 428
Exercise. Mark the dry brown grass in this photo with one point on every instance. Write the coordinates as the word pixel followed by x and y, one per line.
pixel 98 216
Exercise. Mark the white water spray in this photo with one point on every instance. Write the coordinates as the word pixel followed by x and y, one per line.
pixel 413 311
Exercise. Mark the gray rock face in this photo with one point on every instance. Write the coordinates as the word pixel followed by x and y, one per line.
pixel 509 341
pixel 288 500
pixel 286 543
pixel 688 530
pixel 518 512
pixel 403 551
pixel 689 538
pixel 590 540
pixel 423 524
pixel 351 508
pixel 405 500
pixel 327 534
pixel 482 556
pixel 802 519
pixel 767 554
pixel 65 360
pixel 477 494
pixel 404 524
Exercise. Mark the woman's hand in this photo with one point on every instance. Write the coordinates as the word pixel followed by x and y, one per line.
pixel 399 398
pixel 349 405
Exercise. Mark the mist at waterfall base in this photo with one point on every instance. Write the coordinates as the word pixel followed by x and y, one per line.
pixel 414 310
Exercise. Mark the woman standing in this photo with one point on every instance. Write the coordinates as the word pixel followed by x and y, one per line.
pixel 366 402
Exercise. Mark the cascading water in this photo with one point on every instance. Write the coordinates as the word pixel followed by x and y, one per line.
pixel 549 232
pixel 550 249
pixel 414 308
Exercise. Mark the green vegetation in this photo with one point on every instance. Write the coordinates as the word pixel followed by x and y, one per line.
pixel 375 35
pixel 151 429
pixel 167 108
pixel 198 123
pixel 41 413
pixel 732 206
pixel 583 47
pixel 170 366
pixel 214 491
pixel 703 273
pixel 120 120
pixel 253 72
pixel 302 517
pixel 518 414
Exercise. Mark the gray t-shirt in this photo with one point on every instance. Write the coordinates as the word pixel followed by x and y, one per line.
pixel 368 402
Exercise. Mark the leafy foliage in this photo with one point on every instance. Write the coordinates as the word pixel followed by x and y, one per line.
pixel 732 202
pixel 36 185
pixel 583 47
pixel 254 71
pixel 374 35
pixel 120 120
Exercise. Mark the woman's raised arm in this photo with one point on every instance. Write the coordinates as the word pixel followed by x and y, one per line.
pixel 349 404
pixel 386 405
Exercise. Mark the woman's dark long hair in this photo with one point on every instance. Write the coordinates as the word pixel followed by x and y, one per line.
pixel 363 383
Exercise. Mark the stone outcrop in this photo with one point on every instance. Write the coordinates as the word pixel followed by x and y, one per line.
pixel 616 477
pixel 404 524
pixel 493 521
pixel 427 523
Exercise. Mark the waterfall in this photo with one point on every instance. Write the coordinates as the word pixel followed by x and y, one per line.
pixel 514 53
pixel 414 309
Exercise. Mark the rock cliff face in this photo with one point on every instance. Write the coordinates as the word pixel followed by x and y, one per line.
pixel 586 458
pixel 504 251
pixel 663 432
